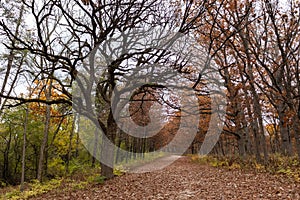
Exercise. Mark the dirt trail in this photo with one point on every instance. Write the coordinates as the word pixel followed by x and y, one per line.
pixel 155 165
pixel 187 180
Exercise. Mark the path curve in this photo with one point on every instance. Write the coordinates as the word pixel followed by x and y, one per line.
pixel 157 164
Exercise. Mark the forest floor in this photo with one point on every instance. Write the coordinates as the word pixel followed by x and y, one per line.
pixel 185 179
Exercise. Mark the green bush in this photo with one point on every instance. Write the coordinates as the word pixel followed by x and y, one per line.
pixel 35 188
pixel 2 184
pixel 56 167
pixel 96 179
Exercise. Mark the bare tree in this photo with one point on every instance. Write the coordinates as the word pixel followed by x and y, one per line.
pixel 66 33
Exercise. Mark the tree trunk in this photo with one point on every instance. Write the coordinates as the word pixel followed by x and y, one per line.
pixel 241 129
pixel 44 144
pixel 77 136
pixel 95 149
pixel 46 133
pixel 107 149
pixel 6 170
pixel 70 145
pixel 24 151
pixel 296 129
pixel 118 156
pixel 257 115
pixel 286 146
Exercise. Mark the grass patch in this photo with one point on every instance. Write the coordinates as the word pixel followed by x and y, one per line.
pixel 282 165
pixel 96 179
pixel 33 189
pixel 277 164
pixel 80 177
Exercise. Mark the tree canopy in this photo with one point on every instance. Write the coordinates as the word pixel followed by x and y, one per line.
pixel 127 77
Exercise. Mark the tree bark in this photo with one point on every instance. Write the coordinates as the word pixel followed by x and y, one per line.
pixel 24 150
pixel 70 144
pixel 296 129
pixel 286 146
pixel 6 170
pixel 107 150
pixel 95 149
pixel 46 133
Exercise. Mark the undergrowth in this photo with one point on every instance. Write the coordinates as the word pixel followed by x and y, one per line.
pixel 79 178
pixel 276 165
pixel 33 189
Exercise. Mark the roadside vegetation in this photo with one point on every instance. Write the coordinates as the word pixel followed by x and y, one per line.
pixel 288 167
pixel 80 177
